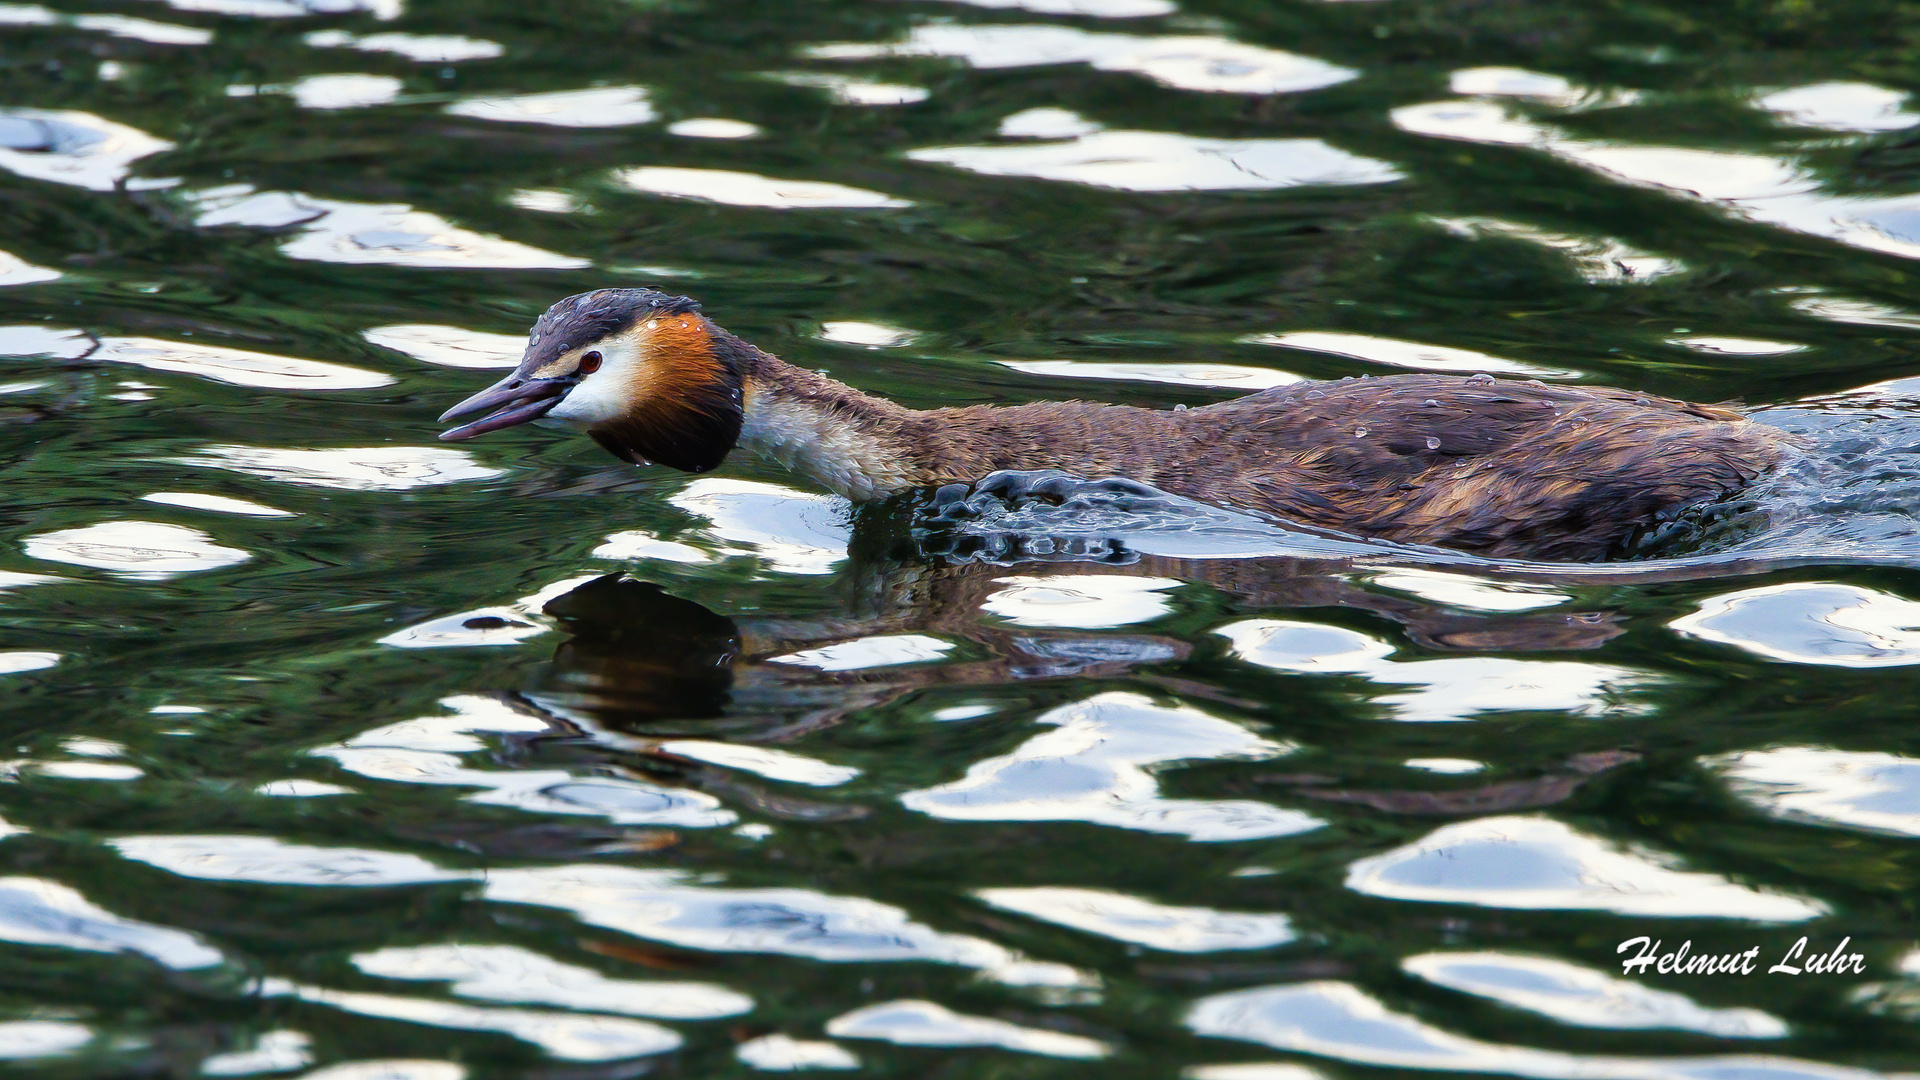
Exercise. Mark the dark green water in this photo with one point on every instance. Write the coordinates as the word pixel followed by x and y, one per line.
pixel 378 773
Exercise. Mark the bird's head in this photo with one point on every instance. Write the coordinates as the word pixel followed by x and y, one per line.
pixel 641 371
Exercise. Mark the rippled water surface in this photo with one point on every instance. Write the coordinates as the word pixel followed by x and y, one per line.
pixel 332 750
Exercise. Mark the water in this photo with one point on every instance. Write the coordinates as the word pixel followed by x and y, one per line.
pixel 331 750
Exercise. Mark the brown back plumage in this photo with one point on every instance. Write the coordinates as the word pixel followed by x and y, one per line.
pixel 1502 468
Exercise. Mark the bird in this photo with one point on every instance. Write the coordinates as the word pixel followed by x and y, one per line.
pixel 1499 468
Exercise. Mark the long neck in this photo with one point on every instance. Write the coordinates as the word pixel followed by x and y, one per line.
pixel 827 432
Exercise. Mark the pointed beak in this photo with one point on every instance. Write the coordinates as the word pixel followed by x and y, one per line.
pixel 516 399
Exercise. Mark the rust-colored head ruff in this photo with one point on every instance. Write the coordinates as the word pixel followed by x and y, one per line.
pixel 641 371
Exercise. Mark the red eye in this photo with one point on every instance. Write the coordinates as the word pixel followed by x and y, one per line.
pixel 589 363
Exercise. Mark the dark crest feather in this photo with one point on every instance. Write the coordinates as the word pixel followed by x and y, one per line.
pixel 590 316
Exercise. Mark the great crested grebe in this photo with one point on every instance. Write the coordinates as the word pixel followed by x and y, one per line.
pixel 1501 468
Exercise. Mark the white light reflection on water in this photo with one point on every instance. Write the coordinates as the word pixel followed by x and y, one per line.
pixel 549 201
pixel 355 233
pixel 301 789
pixel 84 770
pixel 1404 354
pixel 1340 1021
pixel 510 973
pixel 1462 591
pixel 1812 622
pixel 1093 767
pixel 783 765
pixel 1080 601
pixel 1046 123
pixel 845 90
pixel 450 346
pixel 123 26
pixel 453 733
pixel 1578 995
pixel 792 531
pixel 1857 312
pixel 1097 9
pixel 605 106
pixel 344 91
pixel 38 912
pixel 237 366
pixel 568 1036
pixel 1143 922
pixel 1735 346
pixel 1449 689
pixel 25 1039
pixel 398 235
pixel 390 1069
pixel 1771 190
pixel 468 629
pixel 267 861
pixel 662 905
pixel 218 504
pixel 1226 376
pixel 1162 161
pixel 16 271
pixel 140 550
pixel 540 791
pixel 425 48
pixel 782 1053
pixel 752 189
pixel 17 662
pixel 371 468
pixel 1256 1070
pixel 869 652
pixel 275 1051
pixel 1600 260
pixel 1536 863
pixel 713 127
pixel 1514 82
pixel 384 10
pixel 1866 790
pixel 1450 766
pixel 421 751
pixel 1840 106
pixel 508 624
pixel 638 544
pixel 68 147
pixel 1187 63
pixel 44 341
pixel 83 746
pixel 924 1023
pixel 866 334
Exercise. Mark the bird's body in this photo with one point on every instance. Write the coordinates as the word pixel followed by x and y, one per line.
pixel 1502 468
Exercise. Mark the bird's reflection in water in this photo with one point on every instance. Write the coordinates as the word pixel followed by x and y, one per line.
pixel 658 687
pixel 642 661
pixel 638 658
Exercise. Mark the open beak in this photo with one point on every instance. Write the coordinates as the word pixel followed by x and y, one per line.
pixel 516 399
